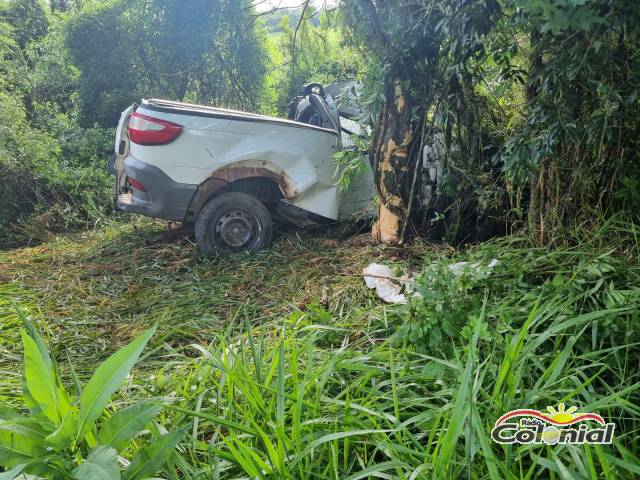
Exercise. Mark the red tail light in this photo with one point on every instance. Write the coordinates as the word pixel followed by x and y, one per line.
pixel 136 184
pixel 146 130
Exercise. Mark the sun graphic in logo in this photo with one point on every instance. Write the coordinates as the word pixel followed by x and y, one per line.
pixel 561 415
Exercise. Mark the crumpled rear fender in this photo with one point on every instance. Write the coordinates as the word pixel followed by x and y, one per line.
pixel 252 168
pixel 301 183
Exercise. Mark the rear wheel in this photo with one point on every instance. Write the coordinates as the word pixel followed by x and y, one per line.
pixel 233 222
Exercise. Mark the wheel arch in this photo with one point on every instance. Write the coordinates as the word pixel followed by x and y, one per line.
pixel 261 180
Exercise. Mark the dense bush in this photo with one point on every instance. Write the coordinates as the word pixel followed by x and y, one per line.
pixel 53 174
pixel 504 274
pixel 51 180
pixel 537 102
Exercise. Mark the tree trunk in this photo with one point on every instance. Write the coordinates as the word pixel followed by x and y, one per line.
pixel 389 154
pixel 182 87
pixel 536 194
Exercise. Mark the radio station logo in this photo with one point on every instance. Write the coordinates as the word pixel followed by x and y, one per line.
pixel 561 426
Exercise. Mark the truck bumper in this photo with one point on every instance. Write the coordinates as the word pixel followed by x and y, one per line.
pixel 163 198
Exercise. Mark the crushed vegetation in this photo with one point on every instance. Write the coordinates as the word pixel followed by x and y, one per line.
pixel 283 364
pixel 94 292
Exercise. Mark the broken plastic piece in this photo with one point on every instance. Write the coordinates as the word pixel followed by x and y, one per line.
pixel 387 285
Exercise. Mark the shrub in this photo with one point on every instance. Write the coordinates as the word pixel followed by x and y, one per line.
pixel 70 437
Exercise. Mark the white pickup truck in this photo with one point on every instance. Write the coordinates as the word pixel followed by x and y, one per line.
pixel 230 172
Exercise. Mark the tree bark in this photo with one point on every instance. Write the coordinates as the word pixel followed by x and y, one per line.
pixel 390 148
pixel 389 154
pixel 182 87
pixel 536 194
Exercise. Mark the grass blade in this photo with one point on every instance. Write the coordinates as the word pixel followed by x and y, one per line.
pixel 106 380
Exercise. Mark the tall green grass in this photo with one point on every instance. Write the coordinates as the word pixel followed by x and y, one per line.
pixel 342 393
pixel 543 328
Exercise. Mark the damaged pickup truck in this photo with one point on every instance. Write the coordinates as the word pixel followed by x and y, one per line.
pixel 230 172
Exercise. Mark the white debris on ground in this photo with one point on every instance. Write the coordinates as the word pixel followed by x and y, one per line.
pixel 389 286
pixel 461 267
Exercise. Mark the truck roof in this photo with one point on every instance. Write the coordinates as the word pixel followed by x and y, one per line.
pixel 170 106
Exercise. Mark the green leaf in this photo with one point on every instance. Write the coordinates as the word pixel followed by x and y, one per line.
pixel 13 473
pixel 378 469
pixel 247 459
pixel 21 439
pixel 17 447
pixel 150 458
pixel 42 380
pixel 62 437
pixel 330 438
pixel 101 464
pixel 106 380
pixel 29 401
pixel 458 416
pixel 214 419
pixel 126 424
pixel 26 427
pixel 7 413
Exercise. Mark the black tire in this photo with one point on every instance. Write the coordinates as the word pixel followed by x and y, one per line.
pixel 233 222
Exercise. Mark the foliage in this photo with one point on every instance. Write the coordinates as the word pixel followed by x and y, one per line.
pixel 50 184
pixel 422 76
pixel 448 300
pixel 579 130
pixel 350 162
pixel 304 44
pixel 218 59
pixel 534 101
pixel 312 49
pixel 29 20
pixel 66 437
pixel 102 97
pixel 52 170
pixel 451 293
pixel 315 389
